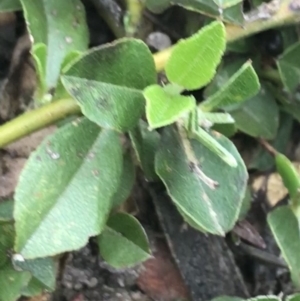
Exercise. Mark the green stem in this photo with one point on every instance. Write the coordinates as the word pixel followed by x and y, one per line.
pixel 284 16
pixel 271 75
pixel 37 119
pixel 51 113
pixel 133 16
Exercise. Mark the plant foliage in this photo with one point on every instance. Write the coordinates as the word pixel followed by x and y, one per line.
pixel 74 184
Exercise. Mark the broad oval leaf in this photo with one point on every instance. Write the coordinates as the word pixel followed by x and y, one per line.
pixel 118 63
pixel 12 283
pixel 61 26
pixel 108 81
pixel 111 107
pixel 203 192
pixel 289 67
pixel 193 61
pixel 123 243
pixel 163 108
pixel 285 229
pixel 65 189
pixel 240 87
pixel 251 118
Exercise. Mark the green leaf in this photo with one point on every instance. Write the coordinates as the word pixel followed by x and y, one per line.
pixel 289 67
pixel 70 59
pixel 163 108
pixel 240 87
pixel 251 117
pixel 208 140
pixel 108 81
pixel 246 205
pixel 226 70
pixel 265 298
pixel 292 109
pixel 232 14
pixel 157 6
pixel 145 144
pixel 262 159
pixel 227 3
pixel 242 46
pixel 209 119
pixel 6 210
pixel 118 63
pixel 205 137
pixel 39 54
pixel 193 64
pixel 111 107
pixel 65 189
pixel 227 130
pixel 12 283
pixel 285 229
pixel 295 297
pixel 10 5
pixel 42 269
pixel 289 36
pixel 127 181
pixel 227 298
pixel 197 181
pixel 123 243
pixel 7 237
pixel 34 288
pixel 61 26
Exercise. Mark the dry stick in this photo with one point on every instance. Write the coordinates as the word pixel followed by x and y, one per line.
pixel 268 147
pixel 53 112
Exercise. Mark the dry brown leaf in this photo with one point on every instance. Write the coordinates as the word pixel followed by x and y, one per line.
pixel 273 186
pixel 160 278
